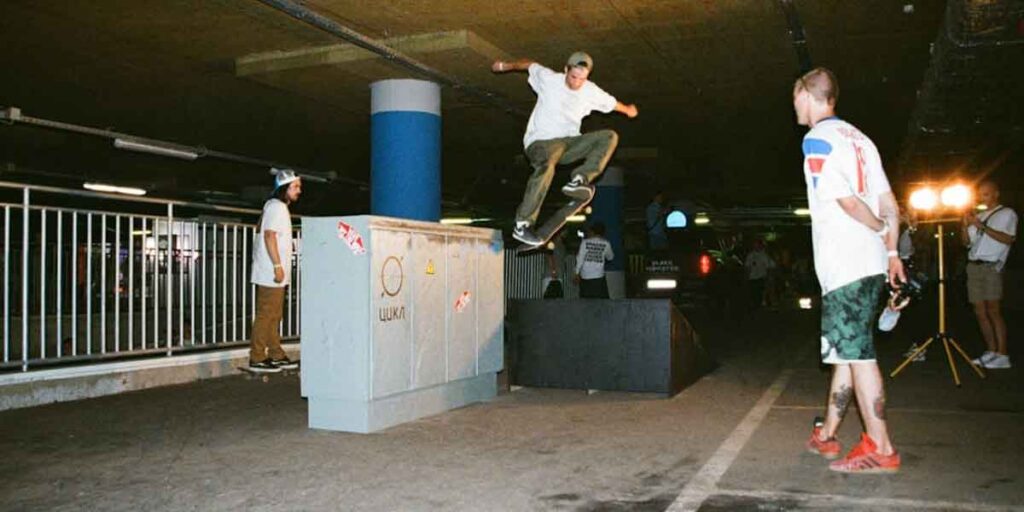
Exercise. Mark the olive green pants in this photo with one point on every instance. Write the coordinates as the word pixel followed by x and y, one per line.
pixel 593 148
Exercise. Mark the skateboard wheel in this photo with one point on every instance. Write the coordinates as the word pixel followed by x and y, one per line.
pixel 588 210
pixel 551 246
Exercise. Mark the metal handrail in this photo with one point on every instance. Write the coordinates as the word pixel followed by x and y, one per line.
pixel 130 199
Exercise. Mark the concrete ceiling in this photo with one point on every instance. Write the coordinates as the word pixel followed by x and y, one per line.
pixel 712 80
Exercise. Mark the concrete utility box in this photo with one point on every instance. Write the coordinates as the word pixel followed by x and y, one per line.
pixel 400 319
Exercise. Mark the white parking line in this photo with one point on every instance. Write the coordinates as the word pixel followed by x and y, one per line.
pixel 826 501
pixel 705 482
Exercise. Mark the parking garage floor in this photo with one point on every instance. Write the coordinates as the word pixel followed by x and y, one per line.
pixel 732 441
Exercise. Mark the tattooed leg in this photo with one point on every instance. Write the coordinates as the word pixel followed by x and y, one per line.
pixel 839 396
pixel 867 381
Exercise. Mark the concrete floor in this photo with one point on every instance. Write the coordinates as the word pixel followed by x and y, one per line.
pixel 732 441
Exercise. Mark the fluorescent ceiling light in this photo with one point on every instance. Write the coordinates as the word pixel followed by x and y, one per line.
pixel 661 284
pixel 701 220
pixel 805 303
pixel 143 147
pixel 803 212
pixel 457 220
pixel 462 220
pixel 113 189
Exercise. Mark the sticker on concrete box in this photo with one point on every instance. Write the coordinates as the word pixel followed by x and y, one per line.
pixel 352 238
pixel 462 302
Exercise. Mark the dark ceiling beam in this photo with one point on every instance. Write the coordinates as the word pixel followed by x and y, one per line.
pixel 796 34
pixel 399 58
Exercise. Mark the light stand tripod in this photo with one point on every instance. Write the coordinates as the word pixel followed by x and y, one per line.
pixel 942 335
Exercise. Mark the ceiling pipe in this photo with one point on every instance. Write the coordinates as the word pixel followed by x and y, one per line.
pixel 332 27
pixel 12 115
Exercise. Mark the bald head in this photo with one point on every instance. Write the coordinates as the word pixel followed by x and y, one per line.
pixel 988 193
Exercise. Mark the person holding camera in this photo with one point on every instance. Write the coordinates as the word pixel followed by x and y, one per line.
pixel 854 218
pixel 988 236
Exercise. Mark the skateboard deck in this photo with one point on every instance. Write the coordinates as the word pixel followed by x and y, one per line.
pixel 555 223
pixel 265 376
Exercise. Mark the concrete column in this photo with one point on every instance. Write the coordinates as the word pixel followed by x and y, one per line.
pixel 405 149
pixel 608 206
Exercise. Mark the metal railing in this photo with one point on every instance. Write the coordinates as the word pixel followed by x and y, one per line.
pixel 158 277
pixel 524 275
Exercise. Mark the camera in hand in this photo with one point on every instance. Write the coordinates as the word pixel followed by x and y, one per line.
pixel 912 288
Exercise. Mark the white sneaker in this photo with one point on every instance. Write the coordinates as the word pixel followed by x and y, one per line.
pixel 919 358
pixel 984 359
pixel 887 320
pixel 998 362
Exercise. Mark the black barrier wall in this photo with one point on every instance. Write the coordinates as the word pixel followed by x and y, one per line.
pixel 643 345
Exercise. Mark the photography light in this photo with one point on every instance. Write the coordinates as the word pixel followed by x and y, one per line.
pixel 956 196
pixel 924 199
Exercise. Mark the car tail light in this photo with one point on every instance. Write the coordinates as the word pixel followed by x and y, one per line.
pixel 704 264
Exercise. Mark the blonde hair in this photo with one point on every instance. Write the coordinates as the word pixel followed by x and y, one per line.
pixel 821 83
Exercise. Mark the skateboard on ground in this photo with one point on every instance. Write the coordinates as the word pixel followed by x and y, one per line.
pixel 265 376
pixel 555 223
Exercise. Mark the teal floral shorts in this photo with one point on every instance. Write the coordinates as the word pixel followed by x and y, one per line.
pixel 848 321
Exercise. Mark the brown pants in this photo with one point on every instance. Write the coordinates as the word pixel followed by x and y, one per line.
pixel 266 340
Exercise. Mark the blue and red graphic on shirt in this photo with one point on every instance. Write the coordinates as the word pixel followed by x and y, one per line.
pixel 816 151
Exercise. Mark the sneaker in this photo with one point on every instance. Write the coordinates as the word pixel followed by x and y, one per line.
pixel 864 458
pixel 998 362
pixel 919 358
pixel 984 359
pixel 577 188
pixel 524 234
pixel 828 448
pixel 264 366
pixel 285 364
pixel 887 320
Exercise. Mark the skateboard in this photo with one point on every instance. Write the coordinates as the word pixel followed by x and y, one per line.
pixel 554 224
pixel 265 376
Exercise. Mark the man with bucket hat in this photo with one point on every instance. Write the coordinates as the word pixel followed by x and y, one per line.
pixel 271 273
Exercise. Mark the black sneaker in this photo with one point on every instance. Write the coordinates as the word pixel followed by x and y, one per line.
pixel 264 366
pixel 524 234
pixel 285 364
pixel 577 188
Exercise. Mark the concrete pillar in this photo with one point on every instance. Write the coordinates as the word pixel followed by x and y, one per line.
pixel 608 208
pixel 405 149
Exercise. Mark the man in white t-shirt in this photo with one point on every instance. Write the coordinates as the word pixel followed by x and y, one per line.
pixel 854 222
pixel 553 133
pixel 757 263
pixel 989 236
pixel 271 273
pixel 594 251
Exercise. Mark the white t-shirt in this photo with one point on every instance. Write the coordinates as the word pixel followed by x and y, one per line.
pixel 758 264
pixel 591 257
pixel 840 161
pixel 986 248
pixel 559 109
pixel 277 219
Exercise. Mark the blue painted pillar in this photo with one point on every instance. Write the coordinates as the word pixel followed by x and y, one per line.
pixel 608 206
pixel 405 149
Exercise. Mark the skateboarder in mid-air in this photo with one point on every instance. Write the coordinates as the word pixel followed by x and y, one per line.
pixel 553 134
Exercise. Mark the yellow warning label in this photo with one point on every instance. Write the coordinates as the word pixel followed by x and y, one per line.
pixel 430 267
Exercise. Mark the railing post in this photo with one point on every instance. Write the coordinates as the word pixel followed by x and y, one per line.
pixel 170 274
pixel 24 279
